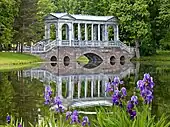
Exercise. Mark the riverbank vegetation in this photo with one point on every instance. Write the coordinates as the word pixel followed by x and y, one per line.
pixel 159 56
pixel 142 23
pixel 9 58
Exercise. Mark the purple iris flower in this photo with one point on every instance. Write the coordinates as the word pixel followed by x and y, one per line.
pixel 57 100
pixel 19 125
pixel 132 114
pixel 47 99
pixel 108 87
pixel 116 81
pixel 140 85
pixel 75 112
pixel 148 99
pixel 148 81
pixel 134 99
pixel 85 121
pixel 48 90
pixel 148 92
pixel 146 88
pixel 146 77
pixel 151 83
pixel 74 117
pixel 60 108
pixel 68 114
pixel 130 105
pixel 115 99
pixel 116 92
pixel 8 119
pixel 124 93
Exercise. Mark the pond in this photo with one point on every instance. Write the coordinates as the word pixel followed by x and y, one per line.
pixel 79 86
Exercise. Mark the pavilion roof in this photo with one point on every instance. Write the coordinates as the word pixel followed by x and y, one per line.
pixel 81 17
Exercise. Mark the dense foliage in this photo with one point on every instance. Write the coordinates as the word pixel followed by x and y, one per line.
pixel 143 23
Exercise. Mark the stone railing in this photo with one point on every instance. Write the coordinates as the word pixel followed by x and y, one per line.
pixel 47 45
pixel 130 50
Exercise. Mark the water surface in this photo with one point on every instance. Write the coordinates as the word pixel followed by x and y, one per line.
pixel 79 86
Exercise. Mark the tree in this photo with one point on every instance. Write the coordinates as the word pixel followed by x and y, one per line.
pixel 134 21
pixel 26 17
pixel 8 11
pixel 164 23
pixel 44 7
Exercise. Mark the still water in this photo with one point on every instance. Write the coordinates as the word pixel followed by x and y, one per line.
pixel 79 86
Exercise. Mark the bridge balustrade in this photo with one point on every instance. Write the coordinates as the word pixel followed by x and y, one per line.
pixel 45 47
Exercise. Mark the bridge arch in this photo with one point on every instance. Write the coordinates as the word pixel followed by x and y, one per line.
pixel 112 60
pixel 122 60
pixel 94 53
pixel 53 59
pixel 66 60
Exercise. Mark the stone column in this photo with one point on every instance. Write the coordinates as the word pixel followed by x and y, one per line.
pixel 56 31
pixel 106 32
pixel 86 32
pixel 116 33
pixel 79 32
pixel 98 32
pixel 94 87
pixel 95 32
pixel 70 88
pixel 92 32
pixel 59 34
pixel 92 83
pixel 47 31
pixel 86 87
pixel 98 90
pixel 60 87
pixel 79 89
pixel 70 33
pixel 103 33
pixel 104 87
pixel 67 31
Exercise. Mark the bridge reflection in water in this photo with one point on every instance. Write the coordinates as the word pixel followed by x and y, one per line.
pixel 79 86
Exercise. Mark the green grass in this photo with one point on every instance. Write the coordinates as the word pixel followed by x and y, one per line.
pixel 115 117
pixel 159 56
pixel 9 58
pixel 83 59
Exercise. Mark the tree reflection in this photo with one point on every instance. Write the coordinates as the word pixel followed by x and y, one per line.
pixel 19 96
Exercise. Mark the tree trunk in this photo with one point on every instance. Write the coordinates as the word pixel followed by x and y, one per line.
pixel 137 48
pixel 21 47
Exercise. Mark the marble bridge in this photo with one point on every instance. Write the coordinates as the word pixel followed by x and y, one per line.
pixel 77 35
pixel 80 90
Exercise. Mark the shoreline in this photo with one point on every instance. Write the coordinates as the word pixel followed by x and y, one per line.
pixel 11 60
pixel 160 56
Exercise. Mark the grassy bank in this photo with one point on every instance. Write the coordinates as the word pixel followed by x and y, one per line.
pixel 159 56
pixel 9 58
pixel 4 68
